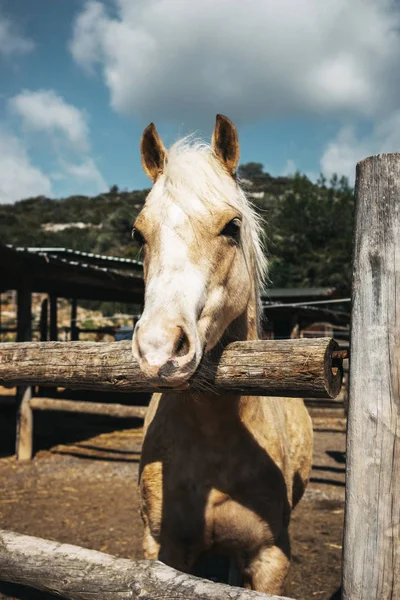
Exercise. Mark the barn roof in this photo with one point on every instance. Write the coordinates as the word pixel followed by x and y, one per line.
pixel 71 274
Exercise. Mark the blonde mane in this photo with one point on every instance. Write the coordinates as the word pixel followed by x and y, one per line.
pixel 192 165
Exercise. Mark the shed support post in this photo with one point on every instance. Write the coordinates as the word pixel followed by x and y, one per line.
pixel 53 331
pixel 74 314
pixel 53 319
pixel 43 325
pixel 371 565
pixel 24 315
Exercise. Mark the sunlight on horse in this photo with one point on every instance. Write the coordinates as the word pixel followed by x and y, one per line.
pixel 219 473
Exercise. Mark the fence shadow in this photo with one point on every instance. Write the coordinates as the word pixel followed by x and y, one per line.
pixel 337 456
pixel 22 592
pixel 52 428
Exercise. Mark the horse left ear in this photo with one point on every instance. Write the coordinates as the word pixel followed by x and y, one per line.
pixel 225 143
pixel 153 152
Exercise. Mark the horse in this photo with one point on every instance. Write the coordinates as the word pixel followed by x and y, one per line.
pixel 219 473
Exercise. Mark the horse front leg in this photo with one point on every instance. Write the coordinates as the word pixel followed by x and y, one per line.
pixel 173 554
pixel 178 555
pixel 268 571
pixel 151 548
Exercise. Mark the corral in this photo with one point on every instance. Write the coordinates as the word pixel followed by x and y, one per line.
pixel 81 488
pixel 371 541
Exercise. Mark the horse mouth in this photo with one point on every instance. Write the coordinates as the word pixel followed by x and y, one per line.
pixel 173 373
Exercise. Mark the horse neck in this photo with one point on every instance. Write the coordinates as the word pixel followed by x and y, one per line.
pixel 245 327
pixel 210 408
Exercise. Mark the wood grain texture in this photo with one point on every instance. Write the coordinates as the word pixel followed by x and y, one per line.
pixel 294 368
pixel 79 574
pixel 372 524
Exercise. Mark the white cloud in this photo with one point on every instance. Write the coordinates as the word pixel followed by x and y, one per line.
pixel 72 168
pixel 12 42
pixel 45 111
pixel 88 32
pixel 167 59
pixel 349 147
pixel 87 175
pixel 18 177
pixel 342 154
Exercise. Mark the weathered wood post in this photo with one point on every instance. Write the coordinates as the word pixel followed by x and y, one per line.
pixel 24 432
pixel 371 568
pixel 24 441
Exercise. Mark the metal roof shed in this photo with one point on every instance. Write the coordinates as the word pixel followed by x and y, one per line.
pixel 67 274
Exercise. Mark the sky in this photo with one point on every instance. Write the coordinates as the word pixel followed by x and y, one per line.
pixel 311 85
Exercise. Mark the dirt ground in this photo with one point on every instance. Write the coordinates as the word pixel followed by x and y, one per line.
pixel 81 488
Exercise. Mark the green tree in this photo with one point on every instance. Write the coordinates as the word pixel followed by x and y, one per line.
pixel 312 235
pixel 251 171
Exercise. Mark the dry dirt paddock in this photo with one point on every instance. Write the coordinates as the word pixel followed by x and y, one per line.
pixel 81 488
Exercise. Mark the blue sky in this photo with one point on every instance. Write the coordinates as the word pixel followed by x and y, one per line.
pixel 311 86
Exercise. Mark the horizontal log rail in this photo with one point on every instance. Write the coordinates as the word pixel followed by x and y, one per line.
pixel 89 408
pixel 76 573
pixel 295 368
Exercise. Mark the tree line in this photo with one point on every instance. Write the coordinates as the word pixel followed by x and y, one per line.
pixel 308 226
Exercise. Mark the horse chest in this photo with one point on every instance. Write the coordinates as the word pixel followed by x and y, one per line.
pixel 217 485
pixel 203 500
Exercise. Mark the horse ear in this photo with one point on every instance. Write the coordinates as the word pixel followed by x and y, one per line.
pixel 225 143
pixel 153 152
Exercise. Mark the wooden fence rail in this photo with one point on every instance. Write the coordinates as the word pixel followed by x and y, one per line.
pixel 298 368
pixel 105 409
pixel 76 573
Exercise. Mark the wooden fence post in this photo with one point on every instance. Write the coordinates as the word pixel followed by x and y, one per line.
pixel 24 430
pixel 371 568
pixel 24 441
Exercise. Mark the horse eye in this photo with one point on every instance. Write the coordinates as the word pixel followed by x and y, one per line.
pixel 232 229
pixel 138 237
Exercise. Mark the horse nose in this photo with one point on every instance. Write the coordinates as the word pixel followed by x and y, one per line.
pixel 162 351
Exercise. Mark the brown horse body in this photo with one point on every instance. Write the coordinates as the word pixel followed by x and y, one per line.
pixel 218 473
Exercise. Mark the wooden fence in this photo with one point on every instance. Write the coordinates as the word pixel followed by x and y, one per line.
pixel 371 565
pixel 79 574
pixel 304 367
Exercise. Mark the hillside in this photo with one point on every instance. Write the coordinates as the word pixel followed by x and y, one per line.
pixel 308 226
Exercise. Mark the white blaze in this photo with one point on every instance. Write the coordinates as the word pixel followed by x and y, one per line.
pixel 175 290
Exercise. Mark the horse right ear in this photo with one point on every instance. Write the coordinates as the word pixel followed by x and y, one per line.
pixel 153 152
pixel 225 143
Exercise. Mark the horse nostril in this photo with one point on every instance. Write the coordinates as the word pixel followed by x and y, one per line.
pixel 182 346
pixel 167 370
